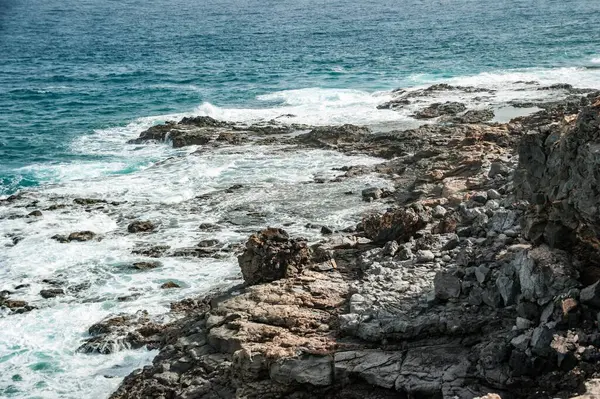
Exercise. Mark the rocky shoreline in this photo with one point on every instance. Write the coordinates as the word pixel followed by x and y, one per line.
pixel 479 280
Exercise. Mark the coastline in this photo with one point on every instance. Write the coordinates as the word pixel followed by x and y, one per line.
pixel 452 293
pixel 402 303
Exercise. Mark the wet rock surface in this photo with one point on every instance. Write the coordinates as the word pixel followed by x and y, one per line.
pixel 479 280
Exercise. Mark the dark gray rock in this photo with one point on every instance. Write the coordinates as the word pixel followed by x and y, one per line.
pixel 446 286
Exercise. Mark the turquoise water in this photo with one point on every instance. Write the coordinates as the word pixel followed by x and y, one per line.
pixel 71 69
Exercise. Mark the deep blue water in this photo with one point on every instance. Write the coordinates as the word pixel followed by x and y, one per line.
pixel 69 69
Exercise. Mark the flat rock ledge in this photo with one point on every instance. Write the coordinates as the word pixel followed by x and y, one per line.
pixel 478 282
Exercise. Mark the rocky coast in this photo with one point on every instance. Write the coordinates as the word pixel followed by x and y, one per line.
pixel 474 271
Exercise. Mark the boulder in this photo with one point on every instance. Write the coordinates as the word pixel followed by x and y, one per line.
pixel 590 295
pixel 446 286
pixel 399 224
pixel 271 254
pixel 170 284
pixel 81 236
pixel 141 226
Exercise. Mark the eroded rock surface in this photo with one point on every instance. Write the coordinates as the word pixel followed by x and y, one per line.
pixel 477 282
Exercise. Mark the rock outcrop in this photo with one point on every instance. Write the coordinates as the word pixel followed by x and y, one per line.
pixel 475 283
pixel 270 255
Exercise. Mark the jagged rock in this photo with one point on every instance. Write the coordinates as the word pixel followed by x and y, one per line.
pixel 308 370
pixel 122 332
pixel 508 289
pixel 141 226
pixel 475 116
pixel 399 224
pixel 558 171
pixel 446 286
pixel 372 193
pixel 391 248
pixel 544 273
pixel 270 255
pixel 499 168
pixel 326 136
pixel 438 109
pixel 591 295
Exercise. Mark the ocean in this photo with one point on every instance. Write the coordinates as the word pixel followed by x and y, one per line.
pixel 79 79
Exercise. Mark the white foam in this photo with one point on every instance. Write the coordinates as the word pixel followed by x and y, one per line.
pixel 277 183
pixel 313 106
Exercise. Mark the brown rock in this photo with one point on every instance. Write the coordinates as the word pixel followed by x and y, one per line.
pixel 270 255
pixel 141 226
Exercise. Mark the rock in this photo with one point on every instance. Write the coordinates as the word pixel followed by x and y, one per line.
pixel 52 292
pixel 439 212
pixel 508 289
pixel 270 255
pixel 438 109
pixel 544 273
pixel 311 370
pixel 122 331
pixel 141 226
pixel 499 168
pixel 170 284
pixel 521 342
pixel 523 324
pixel 209 227
pixel 145 265
pixel 390 248
pixel 326 230
pixel 326 136
pixel 76 236
pixel 398 225
pixel 476 116
pixel 155 251
pixel 557 171
pixel 208 243
pixel 425 256
pixel 372 193
pixel 590 295
pixel 480 197
pixel 481 273
pixel 88 201
pixel 503 220
pixel 493 194
pixel 541 340
pixel 36 213
pixel 528 310
pixel 446 286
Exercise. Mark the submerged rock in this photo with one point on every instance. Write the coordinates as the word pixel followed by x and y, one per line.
pixel 170 284
pixel 76 236
pixel 123 331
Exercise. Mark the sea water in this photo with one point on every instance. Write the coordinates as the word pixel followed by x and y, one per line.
pixel 79 79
